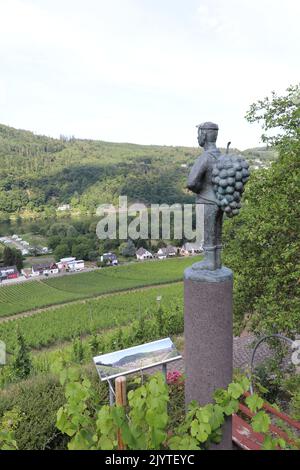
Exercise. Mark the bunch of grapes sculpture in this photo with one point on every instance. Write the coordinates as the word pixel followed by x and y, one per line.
pixel 229 175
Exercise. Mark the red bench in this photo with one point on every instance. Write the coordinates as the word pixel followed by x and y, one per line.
pixel 245 438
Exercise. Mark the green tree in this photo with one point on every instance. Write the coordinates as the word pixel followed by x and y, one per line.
pixel 161 244
pixel 21 364
pixel 54 241
pixel 140 243
pixel 71 231
pixel 8 256
pixel 63 230
pixel 263 244
pixel 12 257
pixel 278 112
pixel 18 260
pixel 82 250
pixel 61 251
pixel 128 249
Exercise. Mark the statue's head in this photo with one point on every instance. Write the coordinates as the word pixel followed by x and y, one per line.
pixel 207 132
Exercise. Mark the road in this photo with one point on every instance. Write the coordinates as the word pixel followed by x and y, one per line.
pixel 20 279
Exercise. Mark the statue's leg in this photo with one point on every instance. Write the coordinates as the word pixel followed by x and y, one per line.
pixel 209 262
pixel 219 224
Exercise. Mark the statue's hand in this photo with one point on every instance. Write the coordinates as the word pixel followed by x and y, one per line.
pixel 194 187
pixel 196 175
pixel 194 182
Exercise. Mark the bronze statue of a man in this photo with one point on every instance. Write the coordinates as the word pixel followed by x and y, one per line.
pixel 218 180
pixel 200 182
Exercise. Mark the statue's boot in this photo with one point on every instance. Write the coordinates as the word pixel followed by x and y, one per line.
pixel 209 262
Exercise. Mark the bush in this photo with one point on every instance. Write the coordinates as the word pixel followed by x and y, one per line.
pixel 262 245
pixel 38 399
pixel 145 423
pixel 21 365
pixel 292 386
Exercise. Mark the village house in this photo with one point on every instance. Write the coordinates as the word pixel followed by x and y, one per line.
pixel 109 259
pixel 168 252
pixel 143 254
pixel 76 265
pixel 64 262
pixel 27 272
pixel 191 249
pixel 44 269
pixel 8 272
pixel 64 207
pixel 70 264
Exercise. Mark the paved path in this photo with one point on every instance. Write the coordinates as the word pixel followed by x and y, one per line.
pixel 242 350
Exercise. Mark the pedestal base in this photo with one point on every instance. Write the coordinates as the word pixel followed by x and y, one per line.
pixel 208 336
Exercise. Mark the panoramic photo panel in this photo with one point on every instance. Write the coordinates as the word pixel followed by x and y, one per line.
pixel 126 361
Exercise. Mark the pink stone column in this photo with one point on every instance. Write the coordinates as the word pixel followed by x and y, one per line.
pixel 208 337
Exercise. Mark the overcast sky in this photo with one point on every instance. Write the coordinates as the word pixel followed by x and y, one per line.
pixel 144 71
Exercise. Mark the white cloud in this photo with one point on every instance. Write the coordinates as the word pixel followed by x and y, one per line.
pixel 156 68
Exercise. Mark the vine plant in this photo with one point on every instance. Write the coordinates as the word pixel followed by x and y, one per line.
pixel 8 424
pixel 144 423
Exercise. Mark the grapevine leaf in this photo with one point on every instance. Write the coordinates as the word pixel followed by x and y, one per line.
pixel 217 417
pixel 200 430
pixel 261 422
pixel 216 436
pixel 269 443
pixel 220 396
pixel 254 402
pixel 281 442
pixel 106 444
pixel 183 443
pixel 203 415
pixel 231 407
pixel 245 383
pixel 235 390
pixel 158 436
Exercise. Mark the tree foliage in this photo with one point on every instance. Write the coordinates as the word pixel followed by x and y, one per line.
pixel 278 112
pixel 21 365
pixel 38 174
pixel 12 257
pixel 127 249
pixel 263 244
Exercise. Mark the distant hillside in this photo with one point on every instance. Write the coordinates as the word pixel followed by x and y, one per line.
pixel 39 173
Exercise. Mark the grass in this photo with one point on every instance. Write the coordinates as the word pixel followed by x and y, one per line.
pixel 32 295
pixel 63 323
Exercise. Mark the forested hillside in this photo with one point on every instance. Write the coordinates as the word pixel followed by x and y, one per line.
pixel 38 173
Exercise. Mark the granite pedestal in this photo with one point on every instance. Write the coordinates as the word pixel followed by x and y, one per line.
pixel 208 337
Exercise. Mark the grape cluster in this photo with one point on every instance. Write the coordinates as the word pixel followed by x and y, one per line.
pixel 229 176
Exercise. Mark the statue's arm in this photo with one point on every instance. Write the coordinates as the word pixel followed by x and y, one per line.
pixel 197 174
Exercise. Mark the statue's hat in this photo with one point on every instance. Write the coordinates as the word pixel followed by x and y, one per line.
pixel 208 126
